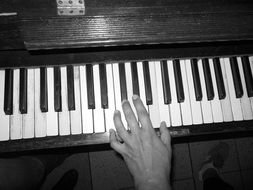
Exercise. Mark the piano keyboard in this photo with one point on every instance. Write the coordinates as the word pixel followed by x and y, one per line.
pixel 71 100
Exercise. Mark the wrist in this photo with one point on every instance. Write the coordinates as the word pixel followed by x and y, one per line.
pixel 155 183
pixel 152 186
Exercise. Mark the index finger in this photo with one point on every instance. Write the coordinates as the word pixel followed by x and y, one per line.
pixel 142 113
pixel 130 117
pixel 122 132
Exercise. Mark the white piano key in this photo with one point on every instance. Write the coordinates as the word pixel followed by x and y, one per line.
pixel 64 122
pixel 87 115
pixel 215 103
pixel 4 129
pixel 251 63
pixel 16 118
pixel 40 117
pixel 28 118
pixel 235 103
pixel 251 66
pixel 186 105
pixel 174 106
pixel 117 92
pixel 141 84
pixel 163 108
pixel 52 116
pixel 245 101
pixel 195 105
pixel 225 103
pixel 129 85
pixel 205 104
pixel 154 107
pixel 99 120
pixel 75 115
pixel 111 102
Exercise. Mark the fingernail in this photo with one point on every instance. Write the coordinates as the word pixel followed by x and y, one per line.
pixel 110 131
pixel 164 123
pixel 124 101
pixel 135 97
pixel 116 112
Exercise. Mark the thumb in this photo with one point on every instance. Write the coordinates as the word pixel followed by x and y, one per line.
pixel 115 144
pixel 165 135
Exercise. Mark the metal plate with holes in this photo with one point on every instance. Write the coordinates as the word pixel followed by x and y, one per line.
pixel 70 7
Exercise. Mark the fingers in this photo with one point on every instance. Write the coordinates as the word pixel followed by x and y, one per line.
pixel 119 138
pixel 130 117
pixel 115 144
pixel 142 113
pixel 119 125
pixel 165 135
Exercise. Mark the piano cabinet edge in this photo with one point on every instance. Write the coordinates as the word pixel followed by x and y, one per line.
pixel 97 141
pixel 28 59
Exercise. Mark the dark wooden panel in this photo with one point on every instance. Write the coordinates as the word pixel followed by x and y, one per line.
pixel 7 6
pixel 114 23
pixel 179 135
pixel 140 23
pixel 10 37
pixel 31 9
pixel 115 31
pixel 121 7
pixel 122 54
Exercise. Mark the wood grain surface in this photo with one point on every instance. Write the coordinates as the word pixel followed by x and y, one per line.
pixel 121 23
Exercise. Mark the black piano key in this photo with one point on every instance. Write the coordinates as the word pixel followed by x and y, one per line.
pixel 219 78
pixel 178 81
pixel 236 77
pixel 103 86
pixel 57 90
pixel 23 91
pixel 43 90
pixel 247 75
pixel 71 88
pixel 196 80
pixel 8 92
pixel 208 79
pixel 166 82
pixel 122 77
pixel 147 82
pixel 135 80
pixel 90 86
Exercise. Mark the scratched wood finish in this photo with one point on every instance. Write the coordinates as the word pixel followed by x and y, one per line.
pixel 51 33
pixel 117 23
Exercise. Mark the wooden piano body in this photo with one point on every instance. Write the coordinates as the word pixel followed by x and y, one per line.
pixel 33 34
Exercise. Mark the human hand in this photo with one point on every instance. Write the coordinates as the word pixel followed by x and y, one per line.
pixel 147 156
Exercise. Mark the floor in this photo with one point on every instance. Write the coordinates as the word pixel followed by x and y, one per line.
pixel 106 170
